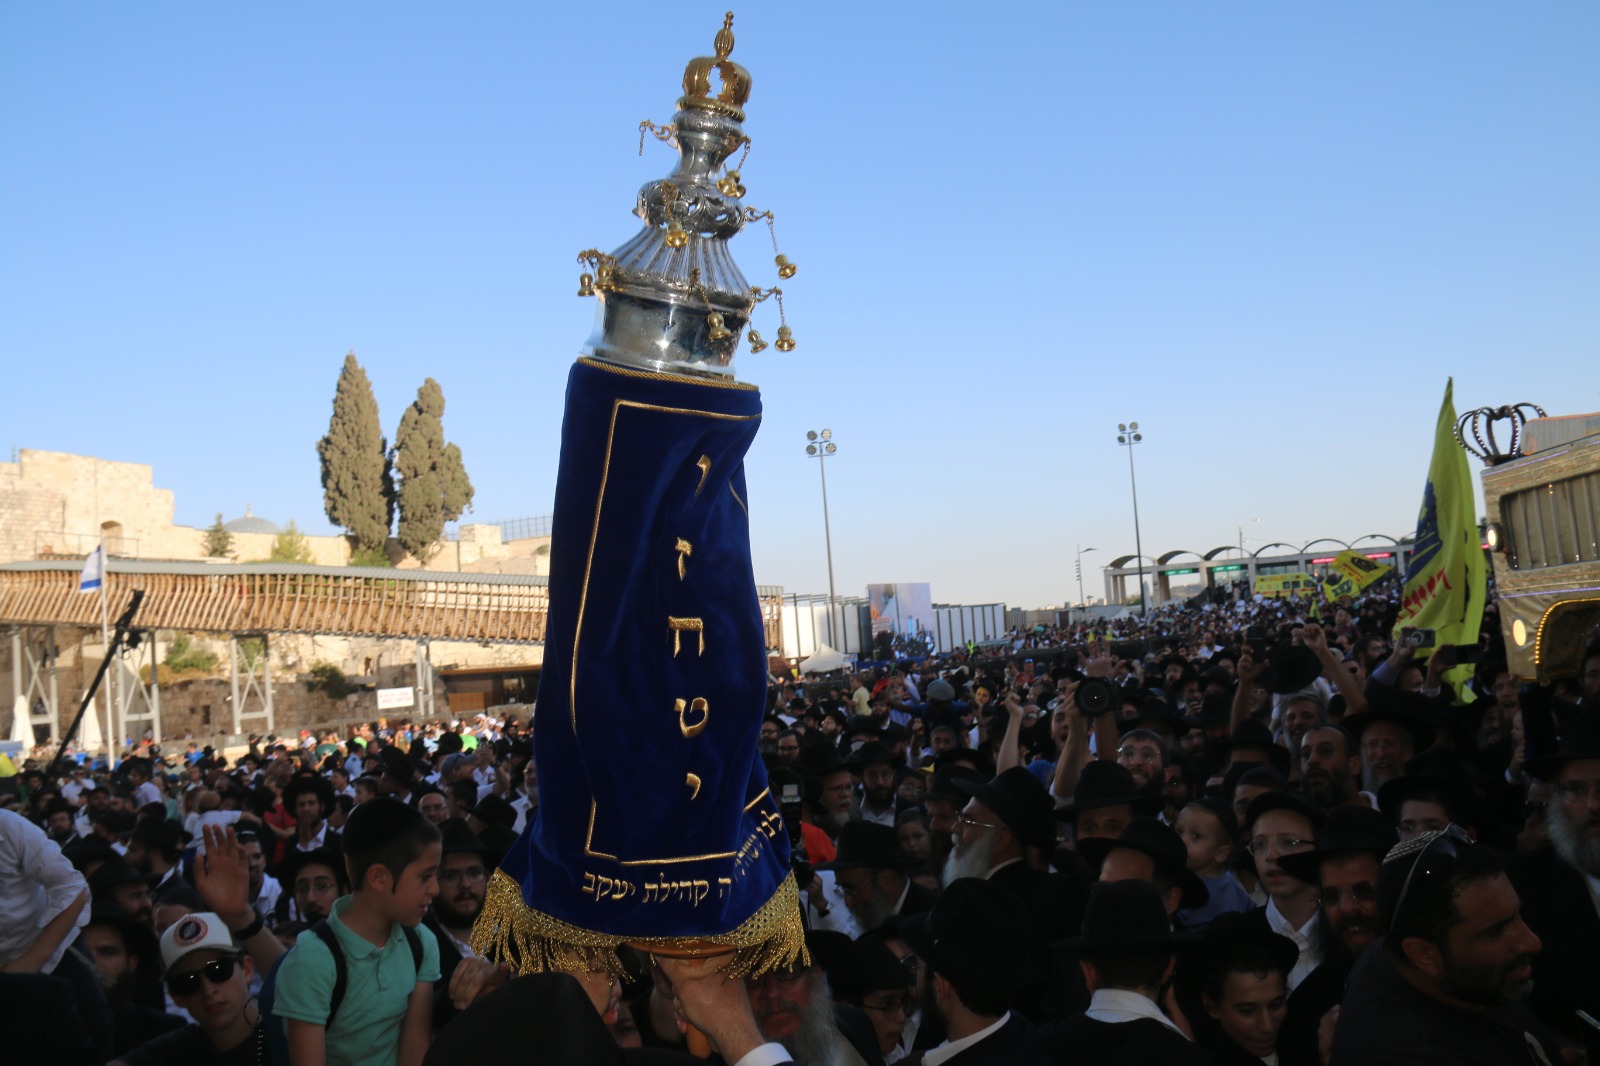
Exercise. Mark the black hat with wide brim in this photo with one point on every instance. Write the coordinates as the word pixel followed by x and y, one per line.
pixel 868 846
pixel 1408 710
pixel 1250 733
pixel 1123 914
pixel 1579 740
pixel 1290 668
pixel 1229 934
pixel 978 935
pixel 1348 831
pixel 1148 836
pixel 1442 771
pixel 1103 783
pixel 1019 800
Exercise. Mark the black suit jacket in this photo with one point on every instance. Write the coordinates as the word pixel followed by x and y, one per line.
pixel 919 899
pixel 449 959
pixel 1557 907
pixel 1136 1043
pixel 1013 1044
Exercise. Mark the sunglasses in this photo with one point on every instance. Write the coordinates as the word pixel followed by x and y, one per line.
pixel 218 971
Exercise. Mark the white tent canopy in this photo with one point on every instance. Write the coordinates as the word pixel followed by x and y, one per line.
pixel 823 660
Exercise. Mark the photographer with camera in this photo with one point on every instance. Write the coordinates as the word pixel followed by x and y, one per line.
pixel 1091 725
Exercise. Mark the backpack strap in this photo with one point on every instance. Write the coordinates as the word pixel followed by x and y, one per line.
pixel 414 941
pixel 341 973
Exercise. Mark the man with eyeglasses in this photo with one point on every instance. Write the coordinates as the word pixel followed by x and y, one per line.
pixel 208 976
pixel 463 886
pixel 871 978
pixel 870 875
pixel 315 879
pixel 1560 883
pixel 1448 983
pixel 1344 866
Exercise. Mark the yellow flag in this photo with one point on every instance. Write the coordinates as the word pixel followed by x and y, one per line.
pixel 1447 577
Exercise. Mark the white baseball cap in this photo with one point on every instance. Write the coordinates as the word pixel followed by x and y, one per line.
pixel 203 931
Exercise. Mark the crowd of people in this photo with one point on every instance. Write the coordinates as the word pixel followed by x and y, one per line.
pixel 1230 832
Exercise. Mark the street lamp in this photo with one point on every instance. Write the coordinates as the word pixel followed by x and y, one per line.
pixel 1128 434
pixel 1081 550
pixel 820 446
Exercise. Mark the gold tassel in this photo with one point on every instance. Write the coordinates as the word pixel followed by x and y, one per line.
pixel 529 941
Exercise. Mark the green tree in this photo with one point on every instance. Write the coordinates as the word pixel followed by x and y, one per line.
pixel 434 488
pixel 290 546
pixel 219 542
pixel 357 479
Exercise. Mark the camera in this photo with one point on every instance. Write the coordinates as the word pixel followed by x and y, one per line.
pixel 1421 638
pixel 1096 696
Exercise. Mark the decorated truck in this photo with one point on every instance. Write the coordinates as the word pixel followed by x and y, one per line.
pixel 1542 506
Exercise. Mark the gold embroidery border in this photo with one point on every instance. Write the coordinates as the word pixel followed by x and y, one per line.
pixel 588 841
pixel 529 941
pixel 676 379
pixel 617 407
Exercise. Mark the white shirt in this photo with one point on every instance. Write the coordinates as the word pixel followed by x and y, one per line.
pixel 524 807
pixel 765 1055
pixel 1116 1005
pixel 951 1048
pixel 36 884
pixel 316 841
pixel 267 901
pixel 878 817
pixel 147 793
pixel 1310 948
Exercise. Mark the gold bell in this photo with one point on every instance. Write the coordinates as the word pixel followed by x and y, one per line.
pixel 786 269
pixel 785 341
pixel 585 284
pixel 756 343
pixel 606 279
pixel 719 332
pixel 677 237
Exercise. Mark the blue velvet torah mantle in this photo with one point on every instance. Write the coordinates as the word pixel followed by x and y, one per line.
pixel 655 825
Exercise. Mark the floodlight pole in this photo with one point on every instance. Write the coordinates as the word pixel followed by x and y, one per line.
pixel 1129 435
pixel 820 450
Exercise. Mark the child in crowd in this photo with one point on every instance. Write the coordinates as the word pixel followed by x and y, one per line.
pixel 1208 831
pixel 1243 988
pixel 391 961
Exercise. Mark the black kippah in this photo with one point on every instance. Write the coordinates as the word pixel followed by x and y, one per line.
pixel 376 823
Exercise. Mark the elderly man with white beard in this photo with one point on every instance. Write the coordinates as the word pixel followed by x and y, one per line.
pixel 1390 734
pixel 1559 884
pixel 1003 820
pixel 870 875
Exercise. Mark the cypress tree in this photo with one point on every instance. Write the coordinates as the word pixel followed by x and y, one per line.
pixel 219 542
pixel 433 488
pixel 357 482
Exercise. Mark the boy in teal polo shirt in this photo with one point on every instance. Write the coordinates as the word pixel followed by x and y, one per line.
pixel 386 1013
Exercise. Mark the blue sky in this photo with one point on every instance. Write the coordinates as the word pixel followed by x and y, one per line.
pixel 1266 231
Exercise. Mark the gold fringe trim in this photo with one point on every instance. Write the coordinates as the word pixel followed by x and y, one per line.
pixel 529 941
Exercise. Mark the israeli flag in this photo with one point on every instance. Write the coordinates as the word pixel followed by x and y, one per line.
pixel 94 570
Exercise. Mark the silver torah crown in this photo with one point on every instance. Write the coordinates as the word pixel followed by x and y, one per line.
pixel 677 271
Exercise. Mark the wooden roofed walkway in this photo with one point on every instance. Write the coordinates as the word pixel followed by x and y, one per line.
pixel 250 598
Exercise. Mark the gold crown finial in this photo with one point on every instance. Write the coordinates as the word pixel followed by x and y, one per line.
pixel 729 100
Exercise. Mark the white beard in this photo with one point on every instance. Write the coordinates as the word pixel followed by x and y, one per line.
pixel 1579 850
pixel 974 862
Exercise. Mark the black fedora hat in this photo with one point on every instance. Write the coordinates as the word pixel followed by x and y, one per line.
pixel 1252 734
pixel 943 784
pixel 1290 668
pixel 112 873
pixel 1104 783
pixel 1020 801
pixel 494 810
pixel 981 761
pixel 1156 714
pixel 1234 935
pixel 456 836
pixel 978 933
pixel 1579 740
pixel 1216 709
pixel 1123 914
pixel 820 760
pixel 870 752
pixel 1408 710
pixel 316 785
pixel 1283 801
pixel 867 965
pixel 1148 836
pixel 1440 772
pixel 1346 831
pixel 868 846
pixel 296 860
pixel 137 937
